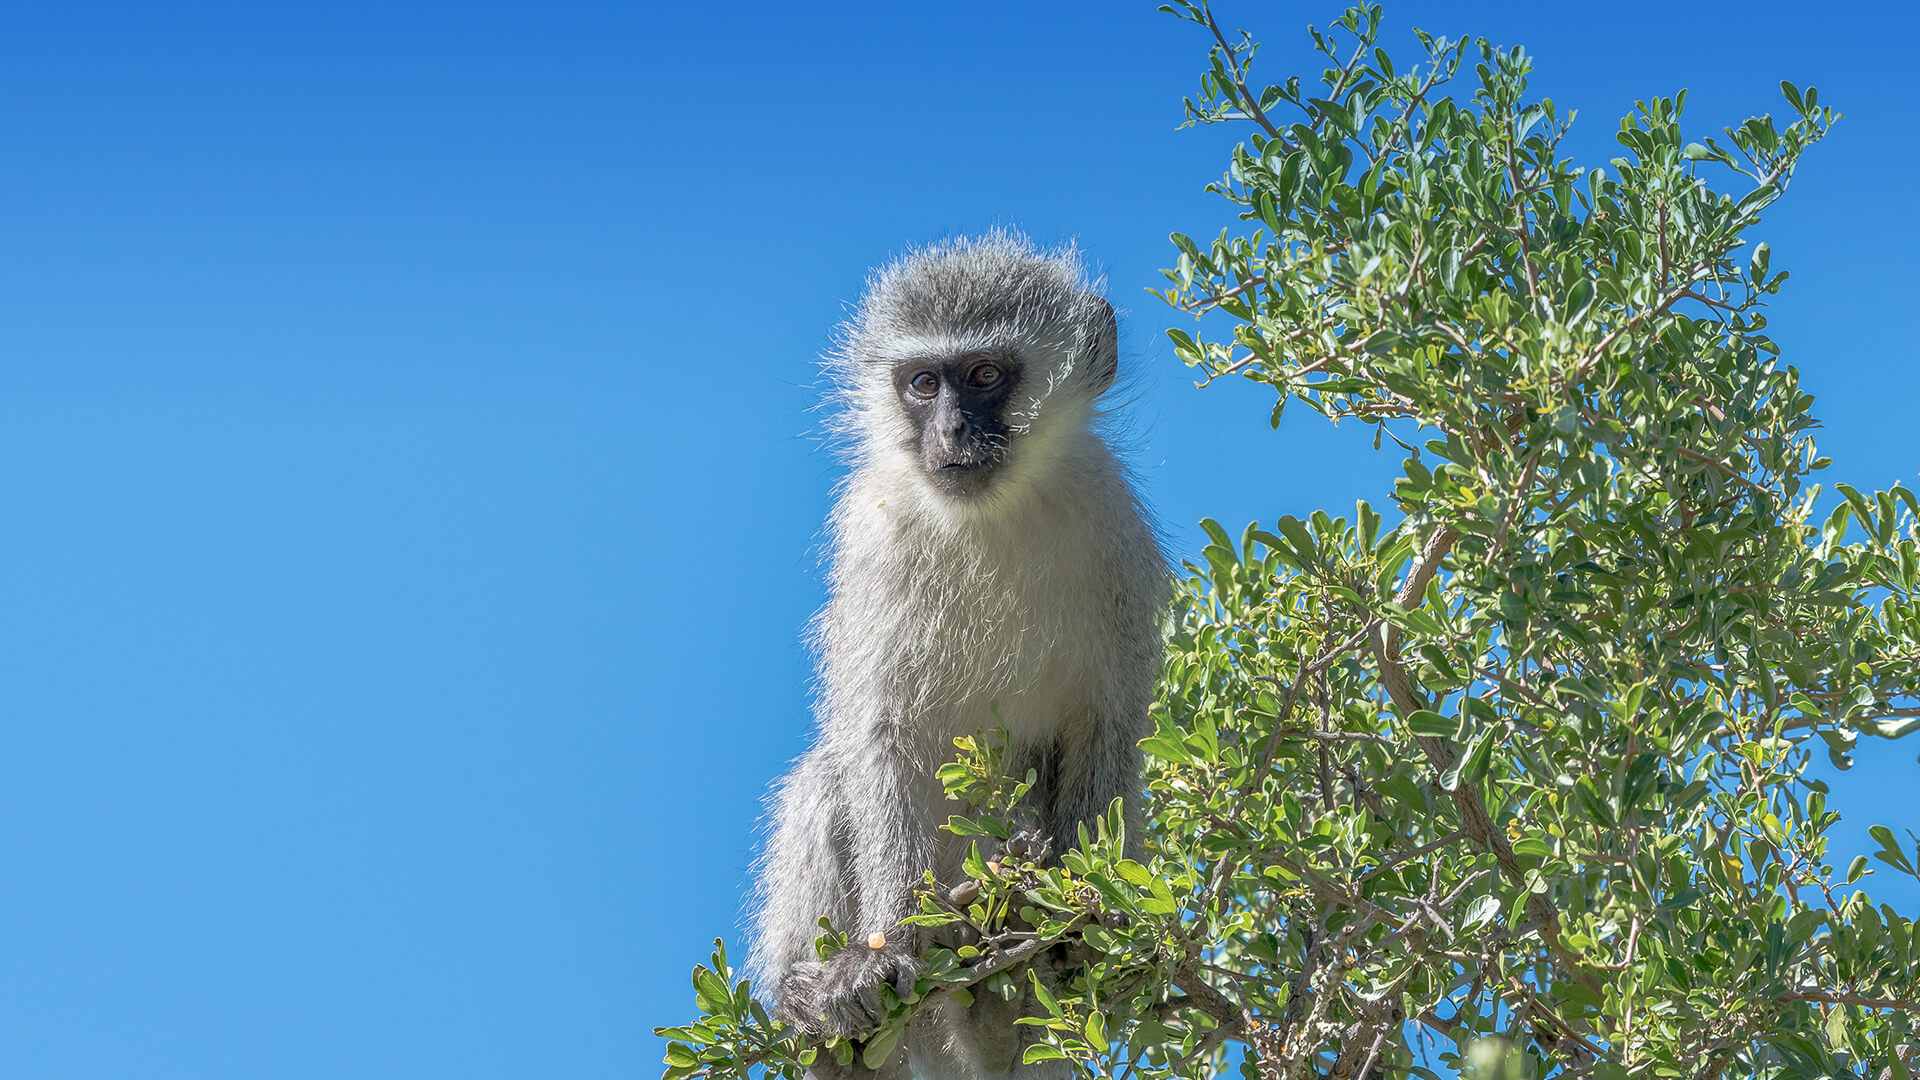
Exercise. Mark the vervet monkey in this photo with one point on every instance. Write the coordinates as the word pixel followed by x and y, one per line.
pixel 986 549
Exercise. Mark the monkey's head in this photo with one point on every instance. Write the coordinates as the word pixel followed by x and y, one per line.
pixel 970 362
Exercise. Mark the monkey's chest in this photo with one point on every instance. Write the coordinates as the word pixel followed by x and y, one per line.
pixel 1025 667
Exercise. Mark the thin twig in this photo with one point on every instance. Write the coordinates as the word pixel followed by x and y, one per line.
pixel 1246 96
pixel 1423 849
pixel 1838 998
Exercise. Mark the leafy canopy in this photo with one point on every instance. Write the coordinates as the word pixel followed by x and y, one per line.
pixel 1518 786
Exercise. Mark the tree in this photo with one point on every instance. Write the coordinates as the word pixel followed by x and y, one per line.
pixel 1517 786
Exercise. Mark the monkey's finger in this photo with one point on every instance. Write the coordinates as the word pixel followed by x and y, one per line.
pixel 869 1001
pixel 904 976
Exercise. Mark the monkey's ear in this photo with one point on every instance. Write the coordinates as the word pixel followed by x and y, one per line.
pixel 1103 355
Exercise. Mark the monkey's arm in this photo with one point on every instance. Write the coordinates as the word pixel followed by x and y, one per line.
pixel 897 840
pixel 804 874
pixel 892 840
pixel 1100 760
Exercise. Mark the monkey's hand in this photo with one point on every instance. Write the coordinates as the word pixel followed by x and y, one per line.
pixel 1029 844
pixel 841 997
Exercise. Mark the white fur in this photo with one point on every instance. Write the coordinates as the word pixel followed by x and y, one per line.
pixel 1041 596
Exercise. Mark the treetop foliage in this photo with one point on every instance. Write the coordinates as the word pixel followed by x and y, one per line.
pixel 1517 786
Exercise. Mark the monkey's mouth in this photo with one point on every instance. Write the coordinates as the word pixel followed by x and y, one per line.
pixel 964 476
pixel 963 459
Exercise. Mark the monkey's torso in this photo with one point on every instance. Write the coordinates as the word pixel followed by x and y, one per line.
pixel 1029 609
pixel 1041 618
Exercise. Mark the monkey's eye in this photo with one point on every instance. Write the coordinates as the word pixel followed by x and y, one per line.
pixel 985 375
pixel 925 384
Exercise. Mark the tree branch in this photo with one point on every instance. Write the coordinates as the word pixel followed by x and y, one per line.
pixel 1473 813
pixel 1251 103
pixel 1842 998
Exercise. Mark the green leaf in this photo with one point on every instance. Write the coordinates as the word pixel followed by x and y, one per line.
pixel 1895 728
pixel 1889 852
pixel 1532 847
pixel 1043 995
pixel 881 1046
pixel 710 993
pixel 1591 803
pixel 1472 767
pixel 1098 939
pixel 1479 913
pixel 1096 1031
pixel 1297 535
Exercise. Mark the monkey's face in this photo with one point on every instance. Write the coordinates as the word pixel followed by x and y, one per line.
pixel 958 407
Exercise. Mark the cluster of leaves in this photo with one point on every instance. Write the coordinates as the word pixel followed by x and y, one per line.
pixel 1009 912
pixel 1518 786
pixel 1532 765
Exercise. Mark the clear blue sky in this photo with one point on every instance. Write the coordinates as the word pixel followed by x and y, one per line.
pixel 412 495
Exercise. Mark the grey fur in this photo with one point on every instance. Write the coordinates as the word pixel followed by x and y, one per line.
pixel 1042 593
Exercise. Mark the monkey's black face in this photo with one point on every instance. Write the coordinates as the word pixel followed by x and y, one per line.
pixel 959 406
